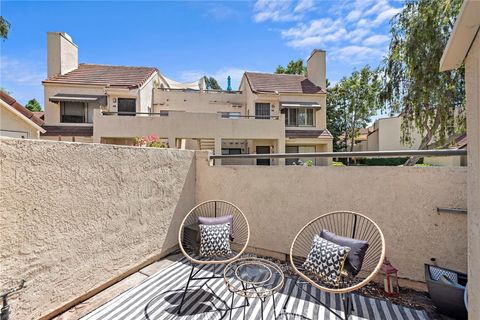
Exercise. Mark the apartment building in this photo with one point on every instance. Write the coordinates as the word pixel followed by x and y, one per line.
pixel 16 121
pixel 385 135
pixel 269 113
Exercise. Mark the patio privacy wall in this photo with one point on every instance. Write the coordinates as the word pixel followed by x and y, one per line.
pixel 75 216
pixel 279 201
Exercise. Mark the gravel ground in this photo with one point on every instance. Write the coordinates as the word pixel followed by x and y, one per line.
pixel 408 297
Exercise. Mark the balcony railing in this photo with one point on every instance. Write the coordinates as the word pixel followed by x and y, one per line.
pixel 224 115
pixel 356 154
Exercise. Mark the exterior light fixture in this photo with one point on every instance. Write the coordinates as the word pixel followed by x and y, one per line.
pixel 390 282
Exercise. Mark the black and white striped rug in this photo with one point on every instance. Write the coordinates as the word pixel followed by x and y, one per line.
pixel 158 297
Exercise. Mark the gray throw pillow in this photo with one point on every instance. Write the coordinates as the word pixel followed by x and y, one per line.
pixel 218 220
pixel 214 240
pixel 326 260
pixel 358 249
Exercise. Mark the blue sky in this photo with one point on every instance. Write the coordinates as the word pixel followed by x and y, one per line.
pixel 186 40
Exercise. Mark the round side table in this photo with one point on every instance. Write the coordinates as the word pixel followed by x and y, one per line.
pixel 253 278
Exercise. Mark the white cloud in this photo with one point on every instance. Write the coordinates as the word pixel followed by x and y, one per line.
pixel 378 39
pixel 317 32
pixel 354 15
pixel 219 11
pixel 22 78
pixel 348 25
pixel 358 34
pixel 21 72
pixel 386 15
pixel 356 54
pixel 274 10
pixel 304 5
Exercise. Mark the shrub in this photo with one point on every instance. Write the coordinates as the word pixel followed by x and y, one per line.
pixel 151 141
pixel 386 161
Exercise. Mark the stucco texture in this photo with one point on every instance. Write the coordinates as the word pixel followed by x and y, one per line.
pixel 403 201
pixel 75 216
pixel 472 76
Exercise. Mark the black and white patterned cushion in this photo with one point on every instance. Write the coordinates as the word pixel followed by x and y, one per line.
pixel 215 240
pixel 436 273
pixel 326 260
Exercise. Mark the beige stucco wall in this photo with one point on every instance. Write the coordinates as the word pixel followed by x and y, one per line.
pixel 278 201
pixel 68 138
pixel 389 136
pixel 143 98
pixel 472 76
pixel 145 94
pixel 74 216
pixel 188 125
pixel 52 110
pixel 62 54
pixel 199 101
pixel 446 161
pixel 317 68
pixel 276 99
pixel 12 126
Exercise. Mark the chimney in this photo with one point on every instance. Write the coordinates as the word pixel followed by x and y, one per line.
pixel 62 54
pixel 317 68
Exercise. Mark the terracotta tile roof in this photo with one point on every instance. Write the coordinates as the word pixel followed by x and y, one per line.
pixel 283 83
pixel 362 134
pixel 102 75
pixel 39 114
pixel 308 134
pixel 17 106
pixel 78 131
pixel 461 142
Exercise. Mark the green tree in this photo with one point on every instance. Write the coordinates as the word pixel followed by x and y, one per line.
pixel 4 28
pixel 352 103
pixel 430 101
pixel 293 67
pixel 33 105
pixel 335 124
pixel 212 83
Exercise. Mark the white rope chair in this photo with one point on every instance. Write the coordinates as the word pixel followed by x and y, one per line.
pixel 347 224
pixel 189 238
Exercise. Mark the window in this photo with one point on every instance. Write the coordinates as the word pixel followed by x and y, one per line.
pixel 76 112
pixel 299 117
pixel 291 149
pixel 262 110
pixel 126 107
pixel 227 151
pixel 231 115
pixel 299 149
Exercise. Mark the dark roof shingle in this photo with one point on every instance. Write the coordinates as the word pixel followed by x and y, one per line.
pixel 282 83
pixel 461 142
pixel 308 134
pixel 103 75
pixel 17 106
pixel 78 131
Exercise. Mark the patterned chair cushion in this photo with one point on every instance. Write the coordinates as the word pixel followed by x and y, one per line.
pixel 358 249
pixel 326 260
pixel 436 273
pixel 214 240
pixel 218 220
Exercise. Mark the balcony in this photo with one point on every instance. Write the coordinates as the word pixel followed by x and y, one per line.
pixel 93 229
pixel 176 124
